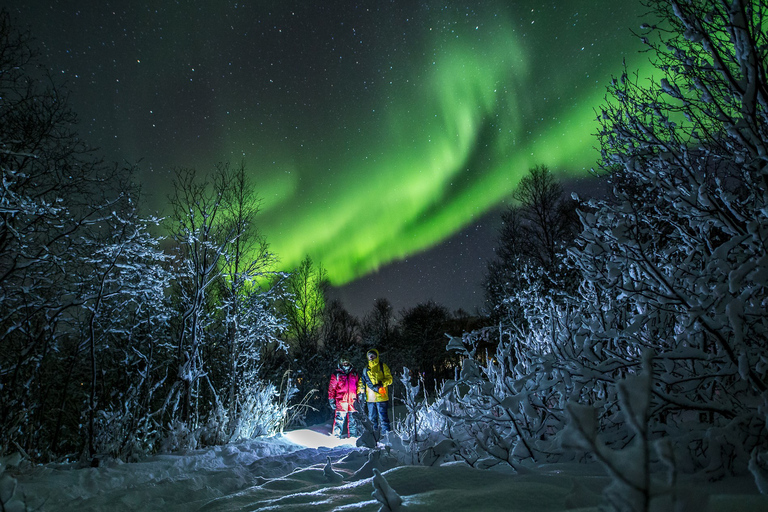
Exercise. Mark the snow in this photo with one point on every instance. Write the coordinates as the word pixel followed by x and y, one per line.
pixel 307 469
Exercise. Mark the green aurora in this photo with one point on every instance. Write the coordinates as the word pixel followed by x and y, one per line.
pixel 372 130
pixel 451 144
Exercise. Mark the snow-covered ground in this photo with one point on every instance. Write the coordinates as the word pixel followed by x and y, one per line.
pixel 291 473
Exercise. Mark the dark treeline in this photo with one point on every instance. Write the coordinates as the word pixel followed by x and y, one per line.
pixel 413 338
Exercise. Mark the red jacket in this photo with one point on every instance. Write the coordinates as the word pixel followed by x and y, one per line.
pixel 344 388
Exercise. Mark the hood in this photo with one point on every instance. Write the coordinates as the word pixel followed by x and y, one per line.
pixel 375 361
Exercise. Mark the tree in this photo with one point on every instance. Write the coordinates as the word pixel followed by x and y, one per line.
pixel 123 287
pixel 54 197
pixel 378 326
pixel 422 339
pixel 247 290
pixel 535 234
pixel 305 305
pixel 303 308
pixel 340 332
pixel 197 225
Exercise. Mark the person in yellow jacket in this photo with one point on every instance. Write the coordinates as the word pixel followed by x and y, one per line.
pixel 377 378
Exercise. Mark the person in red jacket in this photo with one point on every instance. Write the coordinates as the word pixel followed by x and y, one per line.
pixel 343 389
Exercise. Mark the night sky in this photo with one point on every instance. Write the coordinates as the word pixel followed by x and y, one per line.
pixel 384 137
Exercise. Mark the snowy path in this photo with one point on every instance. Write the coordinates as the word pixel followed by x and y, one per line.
pixel 172 482
pixel 288 473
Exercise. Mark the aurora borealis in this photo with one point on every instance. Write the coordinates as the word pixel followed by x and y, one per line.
pixel 374 130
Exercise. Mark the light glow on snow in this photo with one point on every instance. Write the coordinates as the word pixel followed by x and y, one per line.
pixel 313 439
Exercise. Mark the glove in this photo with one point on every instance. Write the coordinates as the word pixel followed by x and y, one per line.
pixel 377 387
pixel 332 403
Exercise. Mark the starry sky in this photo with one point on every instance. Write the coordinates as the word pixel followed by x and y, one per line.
pixel 384 137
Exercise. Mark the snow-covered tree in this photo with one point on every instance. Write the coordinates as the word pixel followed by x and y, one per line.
pixel 198 228
pixel 248 292
pixel 54 193
pixel 123 285
pixel 226 299
pixel 536 231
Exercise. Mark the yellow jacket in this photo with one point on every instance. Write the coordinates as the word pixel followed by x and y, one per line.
pixel 377 374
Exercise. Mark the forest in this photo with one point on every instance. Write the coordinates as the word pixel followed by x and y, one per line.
pixel 623 328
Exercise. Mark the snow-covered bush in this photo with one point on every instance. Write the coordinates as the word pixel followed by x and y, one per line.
pixel 511 405
pixel 422 426
pixel 631 488
pixel 178 437
pixel 265 411
pixel 681 246
pixel 508 406
pixel 125 430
